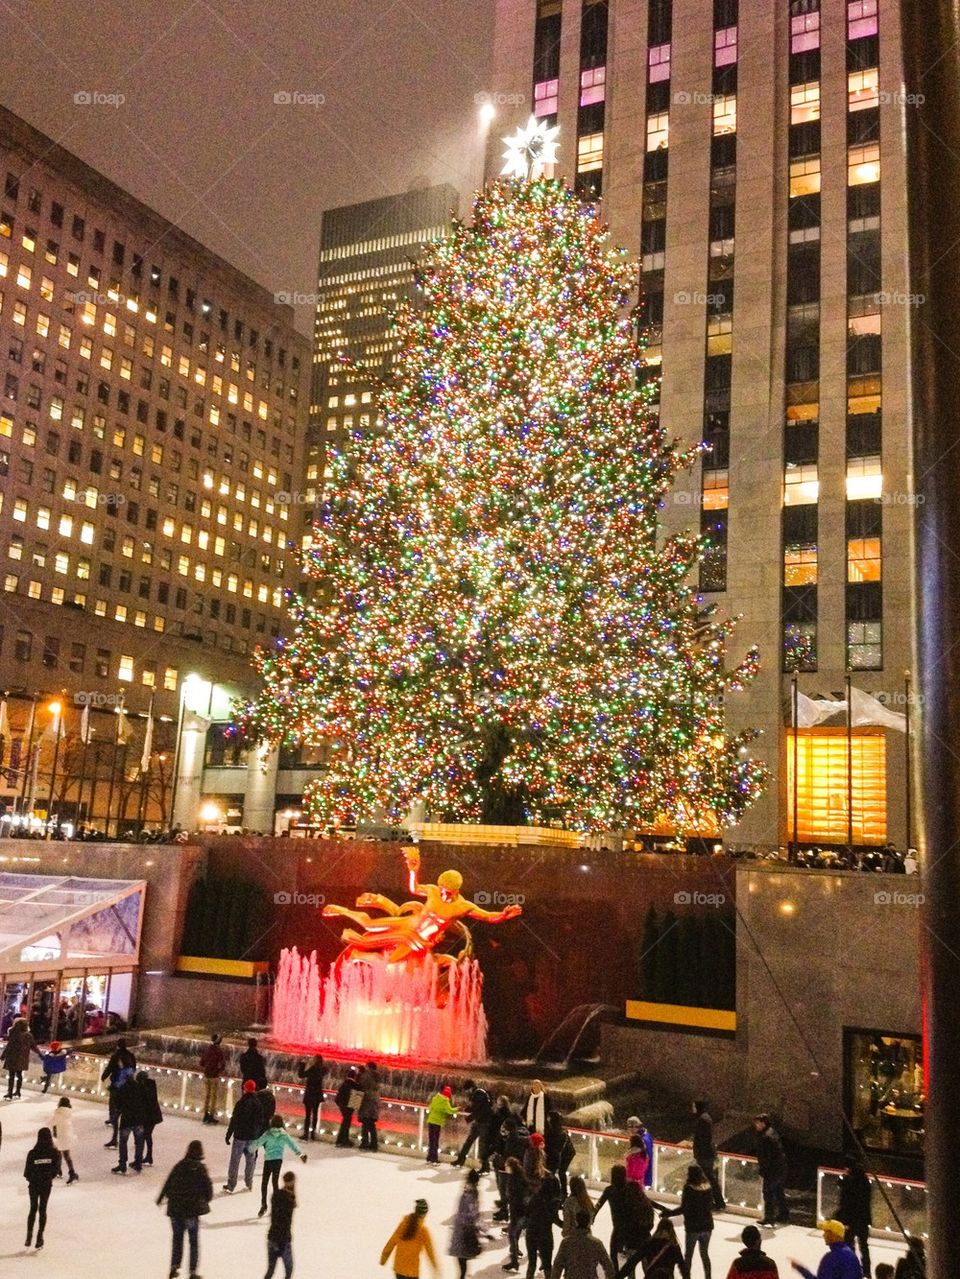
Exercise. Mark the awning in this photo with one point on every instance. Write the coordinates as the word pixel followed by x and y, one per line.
pixel 53 923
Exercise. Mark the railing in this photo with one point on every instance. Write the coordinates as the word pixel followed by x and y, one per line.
pixel 909 1198
pixel 402 1127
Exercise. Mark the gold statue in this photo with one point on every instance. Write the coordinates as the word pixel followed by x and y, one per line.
pixel 415 929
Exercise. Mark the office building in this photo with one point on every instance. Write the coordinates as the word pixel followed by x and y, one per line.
pixel 751 158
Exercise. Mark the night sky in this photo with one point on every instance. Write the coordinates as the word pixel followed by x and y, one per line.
pixel 199 136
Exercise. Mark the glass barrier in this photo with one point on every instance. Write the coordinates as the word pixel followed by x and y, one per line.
pixel 402 1125
pixel 907 1198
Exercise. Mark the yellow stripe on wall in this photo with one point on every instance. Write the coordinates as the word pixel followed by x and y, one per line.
pixel 680 1015
pixel 220 967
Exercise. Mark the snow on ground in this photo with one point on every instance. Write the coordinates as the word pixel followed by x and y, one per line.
pixel 109 1227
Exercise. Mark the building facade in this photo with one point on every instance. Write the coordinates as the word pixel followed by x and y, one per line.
pixel 152 427
pixel 751 158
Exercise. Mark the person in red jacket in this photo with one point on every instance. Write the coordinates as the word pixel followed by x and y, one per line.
pixel 753 1260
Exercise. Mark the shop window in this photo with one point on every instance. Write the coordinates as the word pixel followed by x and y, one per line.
pixel 822 786
pixel 886 1091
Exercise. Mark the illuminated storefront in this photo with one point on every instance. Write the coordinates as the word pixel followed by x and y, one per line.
pixel 825 788
pixel 885 1091
pixel 69 950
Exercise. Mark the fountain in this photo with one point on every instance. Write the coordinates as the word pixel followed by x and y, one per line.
pixel 392 991
pixel 399 1011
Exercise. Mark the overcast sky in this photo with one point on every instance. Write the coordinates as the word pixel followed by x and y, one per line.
pixel 384 97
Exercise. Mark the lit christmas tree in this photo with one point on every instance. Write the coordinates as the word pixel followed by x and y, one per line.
pixel 498 631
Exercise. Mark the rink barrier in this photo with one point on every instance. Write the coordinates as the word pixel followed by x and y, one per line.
pixel 402 1129
pixel 908 1196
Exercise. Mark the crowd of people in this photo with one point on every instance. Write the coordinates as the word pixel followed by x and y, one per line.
pixel 546 1214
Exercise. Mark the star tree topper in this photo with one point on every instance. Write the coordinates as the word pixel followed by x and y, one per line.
pixel 530 150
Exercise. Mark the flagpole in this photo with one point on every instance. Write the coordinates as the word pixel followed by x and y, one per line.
pixel 53 770
pixel 795 698
pixel 849 771
pixel 85 738
pixel 27 753
pixel 908 761
pixel 113 768
pixel 145 766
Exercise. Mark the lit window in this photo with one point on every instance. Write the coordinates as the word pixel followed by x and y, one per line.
pixel 801 485
pixel 720 335
pixel 589 152
pixel 657 131
pixel 4 260
pixel 724 113
pixel 43 517
pixel 865 646
pixel 862 91
pixel 546 97
pixel 125 671
pixel 66 525
pixel 805 176
pixel 799 565
pixel 170 679
pixel 823 785
pixel 864 479
pixel 863 164
pixel 86 533
pixel 61 562
pixel 863 559
pixel 805 102
pixel 120 613
pixel 33 590
pixel 658 63
pixel 716 490
pixel 83 570
pixel 592 88
pixel 861 19
pixel 725 47
pixel 11 582
pixel 24 276
pixel 805 32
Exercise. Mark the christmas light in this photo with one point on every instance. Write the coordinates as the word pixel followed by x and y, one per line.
pixel 496 617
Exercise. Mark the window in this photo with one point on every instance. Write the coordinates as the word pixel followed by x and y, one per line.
pixel 801 485
pixel 78 653
pixel 546 98
pixel 725 47
pixel 125 669
pixel 863 559
pixel 861 19
pixel 823 786
pixel 864 478
pixel 804 31
pixel 865 646
pixel 800 565
pixel 724 113
pixel 592 86
pixel 590 152
pixel 805 102
pixel 23 646
pixel 658 63
pixel 863 164
pixel 658 131
pixel 862 90
pixel 170 679
pixel 805 176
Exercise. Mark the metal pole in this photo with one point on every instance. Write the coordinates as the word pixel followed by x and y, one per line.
pixel 795 848
pixel 849 773
pixel 81 780
pixel 53 771
pixel 931 52
pixel 113 776
pixel 176 753
pixel 908 759
pixel 28 753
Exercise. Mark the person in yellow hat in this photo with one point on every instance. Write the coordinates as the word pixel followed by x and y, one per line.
pixel 839 1261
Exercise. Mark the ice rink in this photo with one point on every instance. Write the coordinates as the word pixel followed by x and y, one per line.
pixel 108 1227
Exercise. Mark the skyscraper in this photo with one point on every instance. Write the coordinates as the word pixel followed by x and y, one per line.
pixel 153 414
pixel 751 157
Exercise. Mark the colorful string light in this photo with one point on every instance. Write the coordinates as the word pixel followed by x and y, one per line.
pixel 488 560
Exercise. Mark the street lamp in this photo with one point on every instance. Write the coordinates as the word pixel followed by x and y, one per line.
pixel 56 710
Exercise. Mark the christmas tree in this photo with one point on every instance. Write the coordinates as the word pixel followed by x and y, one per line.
pixel 498 630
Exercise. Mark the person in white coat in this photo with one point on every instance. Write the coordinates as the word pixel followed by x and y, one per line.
pixel 535 1107
pixel 63 1136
